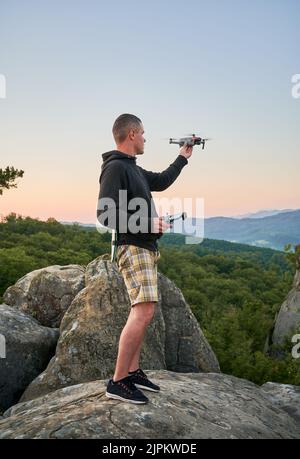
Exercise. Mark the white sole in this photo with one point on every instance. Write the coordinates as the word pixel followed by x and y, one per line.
pixel 146 388
pixel 118 397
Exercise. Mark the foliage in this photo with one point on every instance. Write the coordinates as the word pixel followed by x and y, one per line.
pixel 234 290
pixel 8 176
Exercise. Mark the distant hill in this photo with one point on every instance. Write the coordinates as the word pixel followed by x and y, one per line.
pixel 217 245
pixel 90 225
pixel 264 213
pixel 272 231
pixel 269 232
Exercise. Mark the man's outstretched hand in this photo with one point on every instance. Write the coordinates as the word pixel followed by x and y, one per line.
pixel 160 226
pixel 186 151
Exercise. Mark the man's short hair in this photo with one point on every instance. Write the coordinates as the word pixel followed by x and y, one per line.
pixel 122 126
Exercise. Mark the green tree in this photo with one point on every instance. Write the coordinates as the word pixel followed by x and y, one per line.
pixel 7 178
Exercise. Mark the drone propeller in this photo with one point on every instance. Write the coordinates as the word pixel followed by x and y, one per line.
pixel 196 135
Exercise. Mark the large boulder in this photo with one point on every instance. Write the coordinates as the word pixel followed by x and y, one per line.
pixel 26 348
pixel 90 331
pixel 46 293
pixel 288 319
pixel 284 396
pixel 186 348
pixel 189 406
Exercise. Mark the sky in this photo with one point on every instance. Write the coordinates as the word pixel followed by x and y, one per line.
pixel 219 68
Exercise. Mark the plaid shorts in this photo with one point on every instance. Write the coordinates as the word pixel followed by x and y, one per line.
pixel 138 267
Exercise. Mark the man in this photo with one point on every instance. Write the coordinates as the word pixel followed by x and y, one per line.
pixel 137 250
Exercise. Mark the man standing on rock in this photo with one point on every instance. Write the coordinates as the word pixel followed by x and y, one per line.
pixel 137 251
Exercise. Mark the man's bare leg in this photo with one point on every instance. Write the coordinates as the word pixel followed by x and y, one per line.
pixel 135 361
pixel 132 337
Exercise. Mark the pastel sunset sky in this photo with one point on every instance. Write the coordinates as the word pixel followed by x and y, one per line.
pixel 220 68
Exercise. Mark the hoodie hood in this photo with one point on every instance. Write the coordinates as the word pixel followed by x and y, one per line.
pixel 115 154
pixel 110 156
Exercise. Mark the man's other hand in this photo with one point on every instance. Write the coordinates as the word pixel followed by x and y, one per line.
pixel 186 151
pixel 160 226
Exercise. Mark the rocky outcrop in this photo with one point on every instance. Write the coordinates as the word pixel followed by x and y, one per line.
pixel 46 293
pixel 186 348
pixel 90 331
pixel 189 406
pixel 285 396
pixel 27 348
pixel 288 319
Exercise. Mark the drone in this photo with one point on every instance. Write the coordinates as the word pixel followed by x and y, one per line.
pixel 190 140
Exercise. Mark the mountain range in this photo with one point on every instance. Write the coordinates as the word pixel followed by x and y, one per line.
pixel 263 213
pixel 267 228
pixel 273 231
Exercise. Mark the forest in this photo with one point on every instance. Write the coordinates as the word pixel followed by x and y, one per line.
pixel 234 290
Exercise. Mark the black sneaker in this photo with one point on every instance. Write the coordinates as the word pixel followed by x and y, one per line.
pixel 125 390
pixel 140 379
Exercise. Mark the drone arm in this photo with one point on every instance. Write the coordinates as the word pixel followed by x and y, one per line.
pixel 176 142
pixel 181 143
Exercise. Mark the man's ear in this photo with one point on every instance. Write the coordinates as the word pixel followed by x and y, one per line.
pixel 131 134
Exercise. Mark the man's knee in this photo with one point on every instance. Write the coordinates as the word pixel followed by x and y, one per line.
pixel 144 311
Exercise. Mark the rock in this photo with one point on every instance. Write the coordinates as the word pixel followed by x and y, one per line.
pixel 90 331
pixel 186 348
pixel 297 275
pixel 46 293
pixel 284 396
pixel 97 268
pixel 28 349
pixel 288 319
pixel 189 406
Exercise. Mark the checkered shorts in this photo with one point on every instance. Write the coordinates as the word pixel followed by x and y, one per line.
pixel 138 267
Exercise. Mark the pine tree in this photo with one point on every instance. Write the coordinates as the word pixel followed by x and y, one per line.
pixel 7 178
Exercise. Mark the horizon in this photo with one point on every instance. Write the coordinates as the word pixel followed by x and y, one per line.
pixel 205 216
pixel 68 77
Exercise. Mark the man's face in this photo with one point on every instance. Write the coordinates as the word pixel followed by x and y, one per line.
pixel 139 140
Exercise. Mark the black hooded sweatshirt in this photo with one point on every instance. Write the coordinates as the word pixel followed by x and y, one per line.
pixel 119 171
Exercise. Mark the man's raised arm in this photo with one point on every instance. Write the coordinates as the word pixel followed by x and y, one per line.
pixel 160 181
